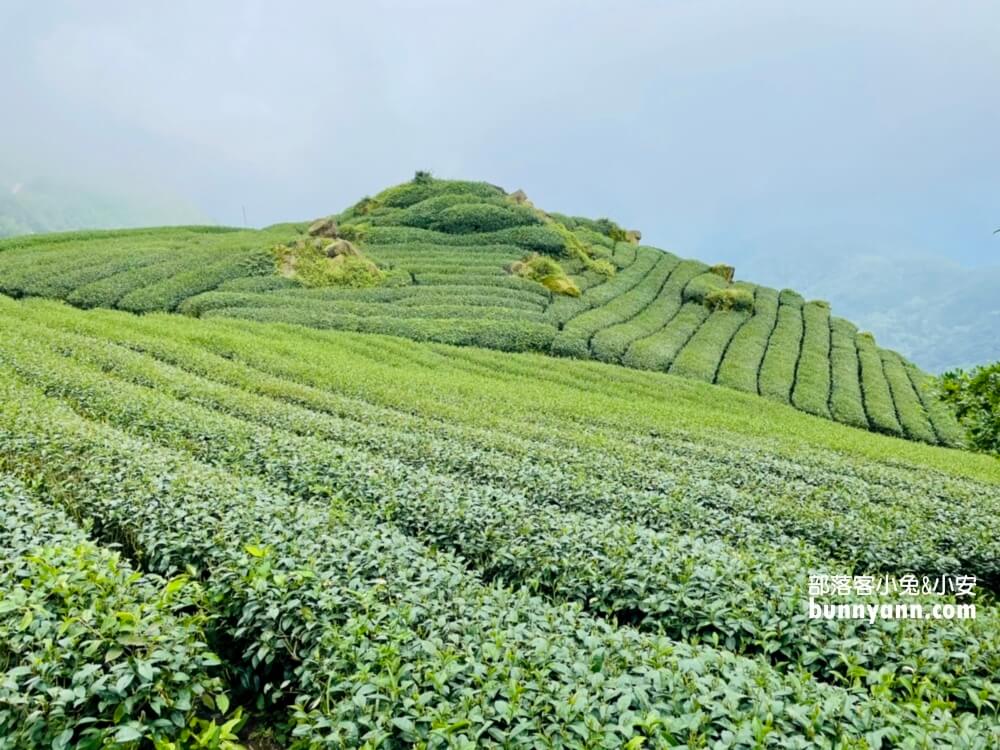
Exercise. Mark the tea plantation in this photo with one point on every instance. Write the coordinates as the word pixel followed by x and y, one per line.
pixel 466 263
pixel 218 532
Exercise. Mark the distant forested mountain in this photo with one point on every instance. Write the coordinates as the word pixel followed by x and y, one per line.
pixel 934 311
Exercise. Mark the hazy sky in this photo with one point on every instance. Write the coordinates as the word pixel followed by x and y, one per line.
pixel 723 130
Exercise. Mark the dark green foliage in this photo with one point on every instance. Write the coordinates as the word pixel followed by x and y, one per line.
pixel 602 294
pixel 427 213
pixel 777 370
pixel 339 475
pixel 415 296
pixel 624 254
pixel 812 375
pixel 258 284
pixel 169 293
pixel 943 420
pixel 464 639
pixel 480 218
pixel 611 343
pixel 846 401
pixel 975 398
pixel 409 193
pixel 90 652
pixel 500 280
pixel 537 238
pixel 790 297
pixel 132 279
pixel 475 330
pixel 877 397
pixel 743 358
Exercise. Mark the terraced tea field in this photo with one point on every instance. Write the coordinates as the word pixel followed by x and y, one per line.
pixel 446 250
pixel 370 542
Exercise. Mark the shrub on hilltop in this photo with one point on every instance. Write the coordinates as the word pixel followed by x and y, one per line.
pixel 317 262
pixel 547 272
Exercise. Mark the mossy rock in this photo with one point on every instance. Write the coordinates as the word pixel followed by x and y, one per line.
pixel 341 248
pixel 326 227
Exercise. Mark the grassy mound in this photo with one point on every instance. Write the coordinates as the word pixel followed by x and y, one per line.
pixel 547 272
pixel 319 262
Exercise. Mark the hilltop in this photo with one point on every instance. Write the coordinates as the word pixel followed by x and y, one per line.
pixel 468 263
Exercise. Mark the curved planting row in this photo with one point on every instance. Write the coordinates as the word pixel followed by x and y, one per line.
pixel 878 401
pixel 574 338
pixel 777 370
pixel 869 532
pixel 702 356
pixel 610 344
pixel 811 392
pixel 846 400
pixel 599 560
pixel 912 416
pixel 741 364
pixel 942 419
pixel 657 351
pixel 563 309
pixel 479 657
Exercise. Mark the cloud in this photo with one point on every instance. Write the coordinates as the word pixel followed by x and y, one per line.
pixel 721 129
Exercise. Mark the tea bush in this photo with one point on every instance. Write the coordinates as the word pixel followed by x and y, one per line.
pixel 846 401
pixel 743 358
pixel 610 344
pixel 912 417
pixel 92 654
pixel 875 388
pixel 657 352
pixel 778 368
pixel 702 355
pixel 811 392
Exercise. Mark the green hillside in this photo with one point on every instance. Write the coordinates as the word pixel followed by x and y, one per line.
pixel 466 263
pixel 369 542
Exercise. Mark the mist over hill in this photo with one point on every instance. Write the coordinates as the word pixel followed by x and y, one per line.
pixel 34 206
